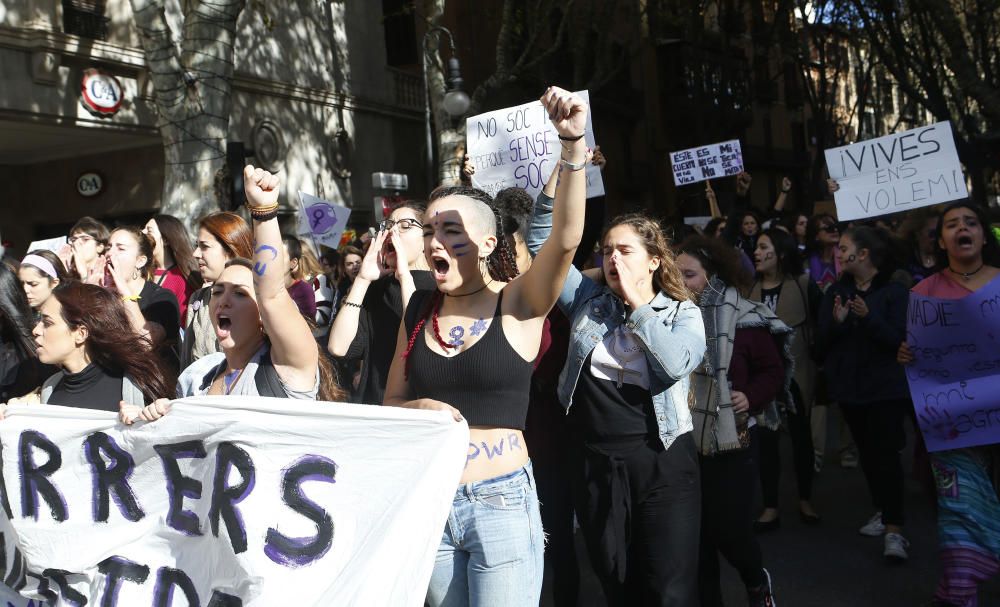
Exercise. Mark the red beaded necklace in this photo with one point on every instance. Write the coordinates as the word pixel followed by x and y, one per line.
pixel 437 330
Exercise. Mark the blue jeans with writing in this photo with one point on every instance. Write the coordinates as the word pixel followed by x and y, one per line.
pixel 491 550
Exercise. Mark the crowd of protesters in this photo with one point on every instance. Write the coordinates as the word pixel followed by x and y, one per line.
pixel 650 383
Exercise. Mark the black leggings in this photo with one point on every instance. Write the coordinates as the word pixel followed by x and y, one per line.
pixel 640 513
pixel 800 431
pixel 878 431
pixel 727 493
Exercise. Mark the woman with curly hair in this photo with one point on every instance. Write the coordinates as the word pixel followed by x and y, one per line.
pixel 636 336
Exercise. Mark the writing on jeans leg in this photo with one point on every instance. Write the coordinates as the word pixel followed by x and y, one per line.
pixel 494 449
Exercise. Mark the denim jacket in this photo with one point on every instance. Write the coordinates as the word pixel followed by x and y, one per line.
pixel 670 332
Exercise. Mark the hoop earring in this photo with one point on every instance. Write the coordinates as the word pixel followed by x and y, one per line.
pixel 135 274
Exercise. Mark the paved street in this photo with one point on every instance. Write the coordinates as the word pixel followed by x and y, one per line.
pixel 832 565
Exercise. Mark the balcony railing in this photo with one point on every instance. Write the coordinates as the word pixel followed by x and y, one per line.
pixel 407 89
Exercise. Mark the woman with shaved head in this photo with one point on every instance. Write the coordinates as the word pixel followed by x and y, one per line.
pixel 467 347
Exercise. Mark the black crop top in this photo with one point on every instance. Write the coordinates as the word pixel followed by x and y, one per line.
pixel 488 383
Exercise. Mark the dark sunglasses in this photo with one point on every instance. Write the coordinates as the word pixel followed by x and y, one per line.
pixel 404 224
pixel 832 229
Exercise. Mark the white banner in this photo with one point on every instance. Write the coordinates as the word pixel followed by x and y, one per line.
pixel 707 162
pixel 49 244
pixel 322 220
pixel 518 147
pixel 896 173
pixel 227 502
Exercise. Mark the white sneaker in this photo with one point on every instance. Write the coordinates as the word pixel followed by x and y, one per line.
pixel 874 527
pixel 895 547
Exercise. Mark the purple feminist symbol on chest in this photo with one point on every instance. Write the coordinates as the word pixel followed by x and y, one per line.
pixel 456 334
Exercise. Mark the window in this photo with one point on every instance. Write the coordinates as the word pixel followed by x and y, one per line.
pixel 85 18
pixel 400 32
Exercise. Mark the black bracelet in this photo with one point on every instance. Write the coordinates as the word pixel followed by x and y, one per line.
pixel 577 138
pixel 353 305
pixel 264 216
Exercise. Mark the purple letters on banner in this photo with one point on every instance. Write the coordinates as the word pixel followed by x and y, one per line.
pixel 955 378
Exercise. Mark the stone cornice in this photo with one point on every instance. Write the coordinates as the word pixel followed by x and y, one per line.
pixel 129 58
pixel 131 61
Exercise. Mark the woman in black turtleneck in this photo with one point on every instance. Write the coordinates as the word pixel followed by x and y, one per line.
pixel 85 330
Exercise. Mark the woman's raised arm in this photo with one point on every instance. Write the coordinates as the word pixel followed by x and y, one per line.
pixel 293 349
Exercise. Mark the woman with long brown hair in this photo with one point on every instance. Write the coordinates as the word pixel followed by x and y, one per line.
pixel 267 346
pixel 222 236
pixel 968 513
pixel 85 331
pixel 20 371
pixel 636 336
pixel 174 266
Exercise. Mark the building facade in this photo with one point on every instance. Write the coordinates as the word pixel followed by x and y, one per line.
pixel 313 96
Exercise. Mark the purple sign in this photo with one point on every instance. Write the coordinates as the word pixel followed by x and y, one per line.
pixel 955 378
pixel 322 217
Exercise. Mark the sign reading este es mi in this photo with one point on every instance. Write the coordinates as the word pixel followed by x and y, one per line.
pixel 898 172
pixel 707 162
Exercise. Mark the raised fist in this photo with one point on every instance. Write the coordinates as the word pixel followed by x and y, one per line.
pixel 260 186
pixel 567 111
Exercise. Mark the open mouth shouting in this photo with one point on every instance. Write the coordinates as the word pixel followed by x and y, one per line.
pixel 965 240
pixel 223 325
pixel 440 266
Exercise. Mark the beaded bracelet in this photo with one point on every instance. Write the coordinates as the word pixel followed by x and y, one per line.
pixel 263 213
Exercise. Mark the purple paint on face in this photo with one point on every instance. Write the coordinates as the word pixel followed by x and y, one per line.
pixel 458 246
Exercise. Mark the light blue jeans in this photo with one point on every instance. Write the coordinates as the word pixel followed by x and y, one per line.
pixel 491 552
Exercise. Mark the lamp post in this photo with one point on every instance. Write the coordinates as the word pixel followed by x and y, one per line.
pixel 456 101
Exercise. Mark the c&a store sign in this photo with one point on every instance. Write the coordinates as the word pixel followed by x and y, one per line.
pixel 102 93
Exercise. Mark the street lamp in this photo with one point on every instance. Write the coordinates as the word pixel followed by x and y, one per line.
pixel 456 101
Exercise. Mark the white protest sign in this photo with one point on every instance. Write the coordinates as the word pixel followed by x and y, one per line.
pixel 896 173
pixel 322 220
pixel 518 147
pixel 707 162
pixel 227 502
pixel 49 244
pixel 9 598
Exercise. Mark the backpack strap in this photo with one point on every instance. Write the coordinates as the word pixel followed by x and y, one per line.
pixel 131 393
pixel 267 380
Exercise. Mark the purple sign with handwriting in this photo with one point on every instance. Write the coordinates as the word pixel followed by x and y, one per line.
pixel 955 378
